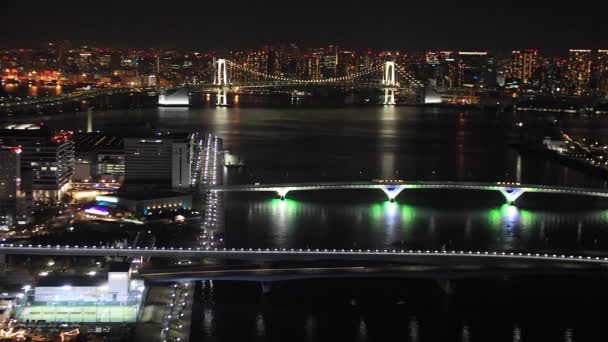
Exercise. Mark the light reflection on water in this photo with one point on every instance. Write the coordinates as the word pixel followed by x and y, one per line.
pixel 274 223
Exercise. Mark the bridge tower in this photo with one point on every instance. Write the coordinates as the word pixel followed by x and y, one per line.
pixel 220 79
pixel 389 80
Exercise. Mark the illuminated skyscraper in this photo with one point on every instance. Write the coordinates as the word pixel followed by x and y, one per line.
pixel 329 62
pixel 523 64
pixel 579 72
pixel 602 72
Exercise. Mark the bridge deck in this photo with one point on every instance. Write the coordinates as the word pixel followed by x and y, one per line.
pixel 498 186
pixel 414 256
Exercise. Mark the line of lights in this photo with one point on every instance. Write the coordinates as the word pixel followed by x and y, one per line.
pixel 218 252
pixel 297 80
pixel 174 311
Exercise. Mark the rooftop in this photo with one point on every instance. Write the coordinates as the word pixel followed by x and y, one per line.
pixel 71 280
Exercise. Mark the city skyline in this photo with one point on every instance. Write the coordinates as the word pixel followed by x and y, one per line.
pixel 417 26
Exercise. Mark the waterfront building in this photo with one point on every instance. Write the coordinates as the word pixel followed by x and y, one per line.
pixel 164 160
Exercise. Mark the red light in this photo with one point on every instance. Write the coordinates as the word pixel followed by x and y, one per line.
pixel 16 150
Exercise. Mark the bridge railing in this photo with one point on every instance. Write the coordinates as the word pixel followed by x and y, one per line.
pixel 277 253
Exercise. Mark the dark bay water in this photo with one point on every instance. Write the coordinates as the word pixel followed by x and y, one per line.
pixel 363 143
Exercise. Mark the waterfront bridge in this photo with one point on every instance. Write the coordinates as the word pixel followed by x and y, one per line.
pixel 433 257
pixel 75 96
pixel 389 77
pixel 392 188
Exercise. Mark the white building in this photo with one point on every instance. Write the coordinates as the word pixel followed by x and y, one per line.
pixel 83 289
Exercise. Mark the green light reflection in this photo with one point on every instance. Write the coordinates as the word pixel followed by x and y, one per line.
pixel 508 216
pixel 393 211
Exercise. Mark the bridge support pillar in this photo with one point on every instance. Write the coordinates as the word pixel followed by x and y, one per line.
pixel 446 286
pixel 389 80
pixel 392 191
pixel 282 193
pixel 266 287
pixel 389 96
pixel 222 98
pixel 511 194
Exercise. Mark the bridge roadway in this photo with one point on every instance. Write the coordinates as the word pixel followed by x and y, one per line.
pixel 431 257
pixel 41 102
pixel 235 86
pixel 511 191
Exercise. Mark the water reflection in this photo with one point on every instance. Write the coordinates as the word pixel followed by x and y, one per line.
pixel 300 224
pixel 388 135
pixel 362 332
pixel 413 329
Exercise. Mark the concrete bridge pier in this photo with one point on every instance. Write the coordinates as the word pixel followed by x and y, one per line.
pixel 392 191
pixel 511 194
pixel 282 192
pixel 266 287
pixel 445 285
pixel 222 98
pixel 389 96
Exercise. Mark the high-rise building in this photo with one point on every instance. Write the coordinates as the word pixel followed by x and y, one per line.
pixel 523 64
pixel 10 179
pixel 164 160
pixel 47 159
pixel 579 71
pixel 602 72
pixel 329 62
pixel 476 69
pixel 309 67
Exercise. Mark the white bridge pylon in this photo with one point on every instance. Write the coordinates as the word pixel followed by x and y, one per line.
pixel 223 84
pixel 220 79
pixel 389 80
pixel 221 73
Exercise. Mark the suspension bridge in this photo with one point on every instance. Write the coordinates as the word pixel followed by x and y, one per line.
pixel 388 77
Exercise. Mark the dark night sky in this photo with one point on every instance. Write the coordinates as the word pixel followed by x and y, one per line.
pixel 410 25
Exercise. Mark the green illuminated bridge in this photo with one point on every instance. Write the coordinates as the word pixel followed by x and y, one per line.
pixel 511 191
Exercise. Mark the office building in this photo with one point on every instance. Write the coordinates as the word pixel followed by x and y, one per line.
pixel 164 160
pixel 523 64
pixel 10 179
pixel 579 71
pixel 329 62
pixel 47 159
